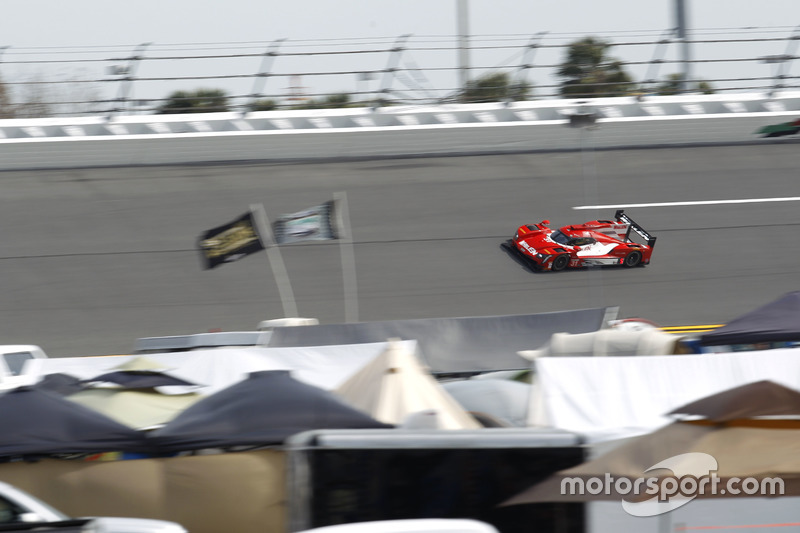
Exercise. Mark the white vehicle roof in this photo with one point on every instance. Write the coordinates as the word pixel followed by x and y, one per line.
pixel 13 358
pixel 100 524
pixel 32 348
pixel 421 525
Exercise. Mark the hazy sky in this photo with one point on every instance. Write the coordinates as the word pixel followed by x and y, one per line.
pixel 35 27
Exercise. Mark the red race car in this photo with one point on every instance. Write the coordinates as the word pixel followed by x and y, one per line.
pixel 595 243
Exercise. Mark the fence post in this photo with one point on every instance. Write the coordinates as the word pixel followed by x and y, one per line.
pixel 127 71
pixel 788 56
pixel 394 61
pixel 264 71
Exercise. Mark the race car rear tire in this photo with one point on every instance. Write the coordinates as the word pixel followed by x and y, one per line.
pixel 560 263
pixel 632 259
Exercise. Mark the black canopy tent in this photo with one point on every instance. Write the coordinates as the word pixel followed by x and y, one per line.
pixel 59 383
pixel 264 409
pixel 777 321
pixel 139 379
pixel 38 422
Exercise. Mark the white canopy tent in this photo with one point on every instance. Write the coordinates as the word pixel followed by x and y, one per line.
pixel 395 386
pixel 214 369
pixel 615 397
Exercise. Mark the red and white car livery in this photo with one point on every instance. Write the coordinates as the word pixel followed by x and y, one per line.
pixel 595 243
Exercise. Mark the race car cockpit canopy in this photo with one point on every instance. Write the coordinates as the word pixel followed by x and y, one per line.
pixel 582 241
pixel 559 237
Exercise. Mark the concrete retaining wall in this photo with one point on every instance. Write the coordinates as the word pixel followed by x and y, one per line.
pixel 393 132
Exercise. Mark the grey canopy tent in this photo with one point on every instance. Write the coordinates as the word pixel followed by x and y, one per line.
pixel 503 399
pixel 777 321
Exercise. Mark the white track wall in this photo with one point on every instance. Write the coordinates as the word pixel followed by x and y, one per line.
pixel 387 132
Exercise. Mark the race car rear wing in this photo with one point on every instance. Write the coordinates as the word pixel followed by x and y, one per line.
pixel 622 217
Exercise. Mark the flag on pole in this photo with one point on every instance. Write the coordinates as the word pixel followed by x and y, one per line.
pixel 230 242
pixel 314 224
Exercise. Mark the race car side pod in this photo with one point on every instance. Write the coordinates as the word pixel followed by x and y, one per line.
pixel 621 216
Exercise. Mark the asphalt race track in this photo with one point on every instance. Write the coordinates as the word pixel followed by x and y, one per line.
pixel 93 259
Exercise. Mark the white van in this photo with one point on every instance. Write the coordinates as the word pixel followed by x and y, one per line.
pixel 21 511
pixel 419 525
pixel 12 361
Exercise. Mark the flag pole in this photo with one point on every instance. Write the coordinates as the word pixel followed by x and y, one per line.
pixel 347 253
pixel 275 260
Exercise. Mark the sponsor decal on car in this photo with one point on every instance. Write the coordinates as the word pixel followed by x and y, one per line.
pixel 529 248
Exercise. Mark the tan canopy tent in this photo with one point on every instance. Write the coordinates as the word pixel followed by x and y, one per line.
pixel 395 385
pixel 137 399
pixel 141 363
pixel 744 444
pixel 758 399
pixel 242 492
pixel 139 409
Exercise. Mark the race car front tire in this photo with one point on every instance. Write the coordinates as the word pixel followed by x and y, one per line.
pixel 560 263
pixel 632 259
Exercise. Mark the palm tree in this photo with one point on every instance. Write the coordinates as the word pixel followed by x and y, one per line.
pixel 199 101
pixel 589 72
pixel 495 87
pixel 672 86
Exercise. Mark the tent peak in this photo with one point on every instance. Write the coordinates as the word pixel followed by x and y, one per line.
pixel 776 321
pixel 757 399
pixel 141 363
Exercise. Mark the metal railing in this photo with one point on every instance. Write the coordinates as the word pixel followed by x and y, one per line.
pixel 407 70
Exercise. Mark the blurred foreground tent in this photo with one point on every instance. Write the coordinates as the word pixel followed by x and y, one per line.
pixel 38 422
pixel 751 431
pixel 775 322
pixel 262 410
pixel 752 400
pixel 395 385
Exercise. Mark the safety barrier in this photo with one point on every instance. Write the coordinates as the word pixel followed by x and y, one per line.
pixel 389 132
